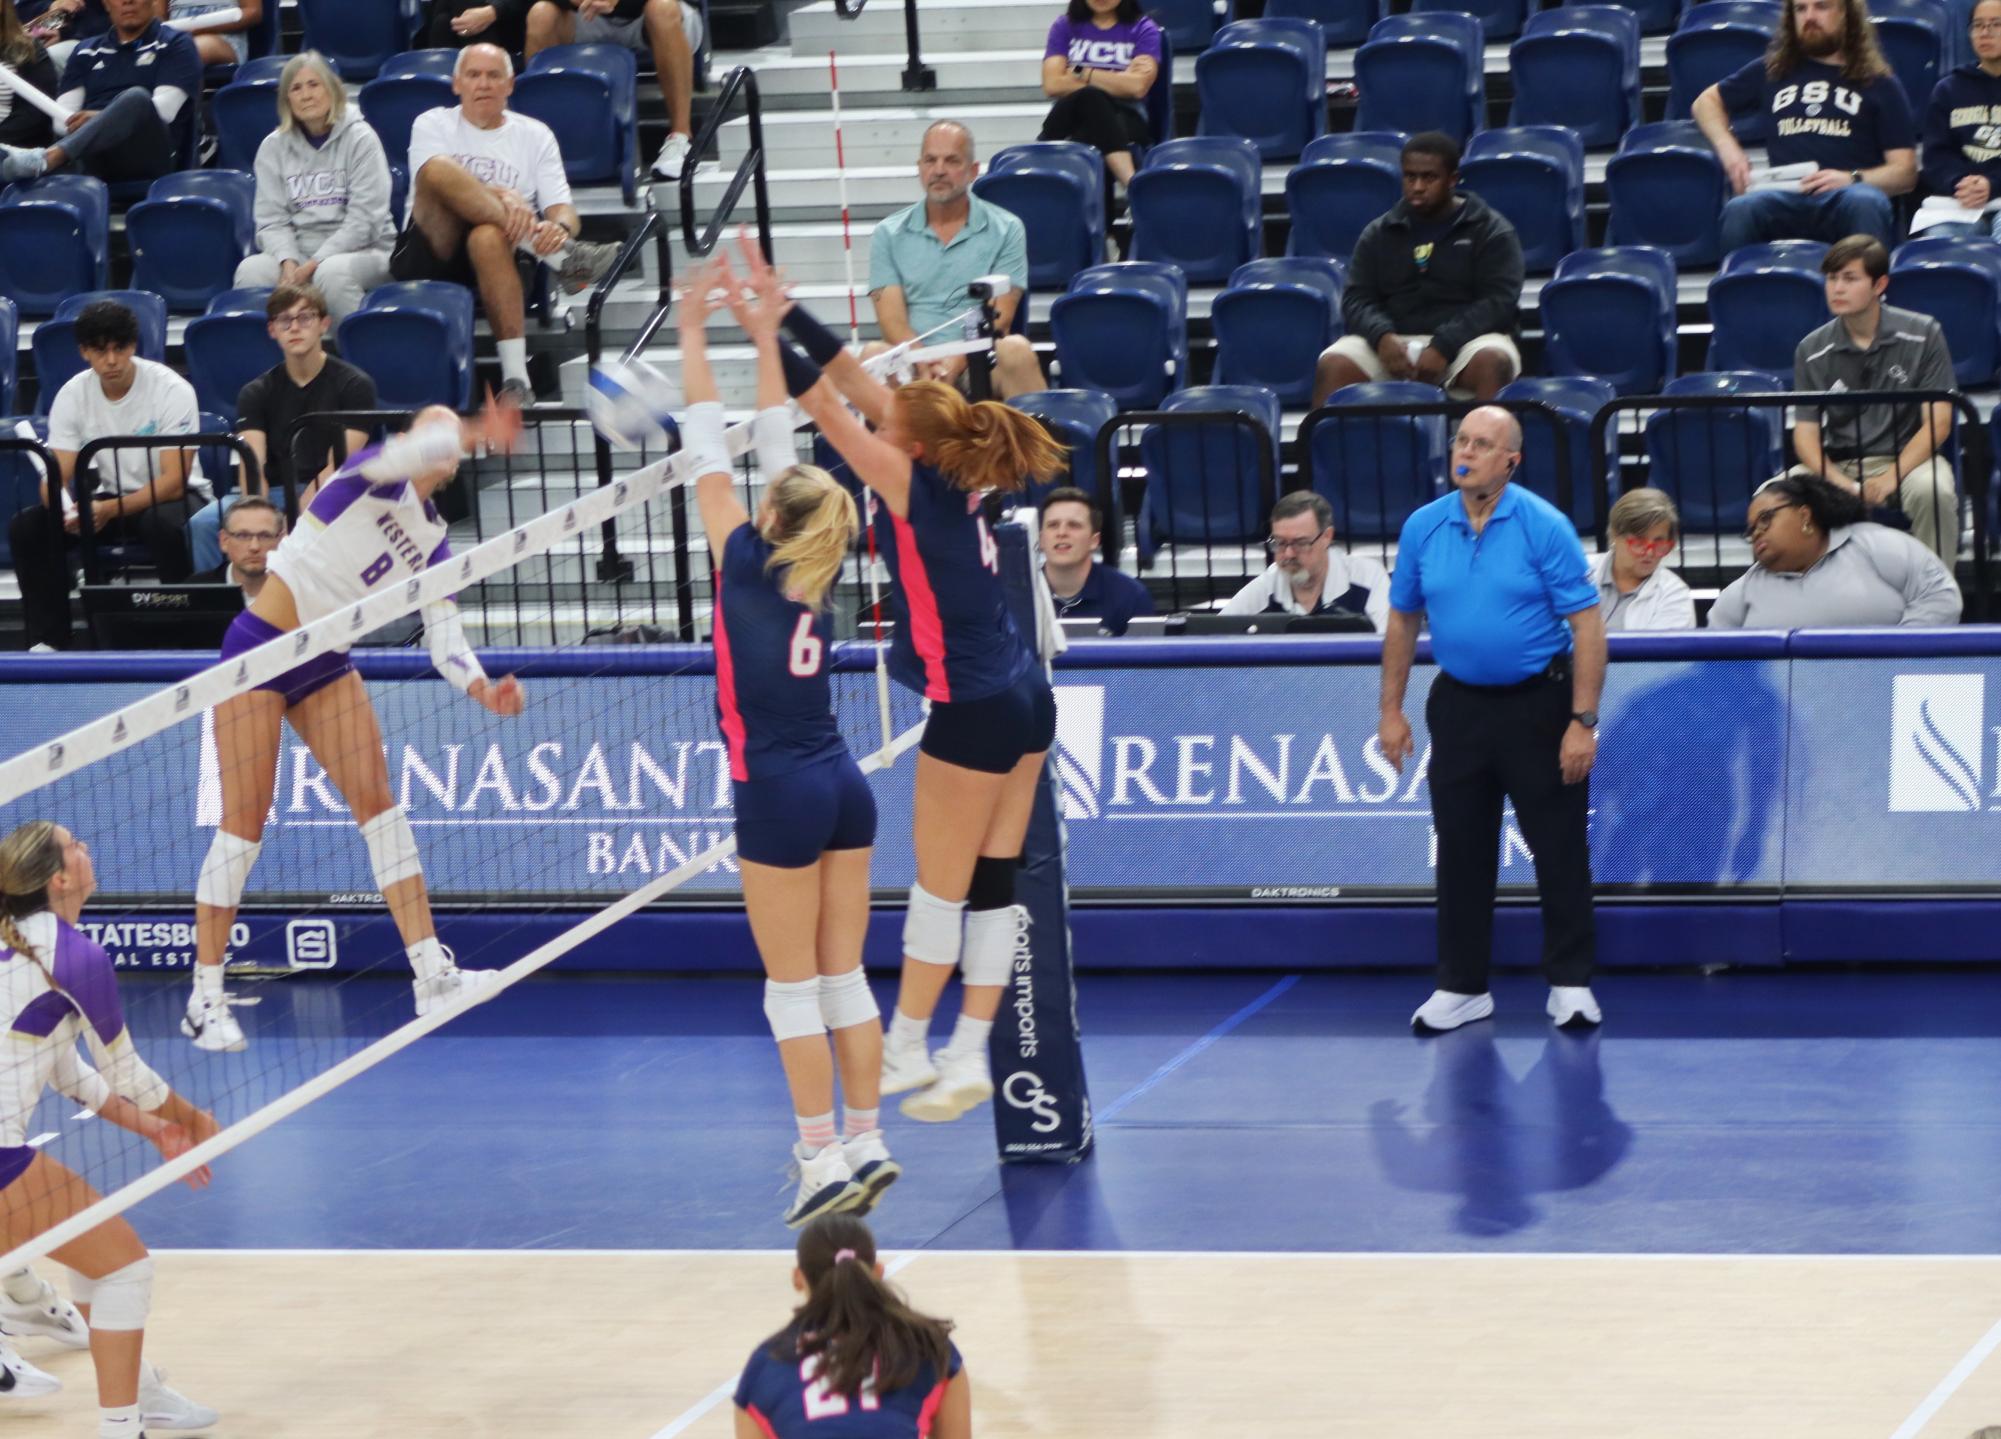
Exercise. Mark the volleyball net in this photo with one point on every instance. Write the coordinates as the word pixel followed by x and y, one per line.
pixel 607 794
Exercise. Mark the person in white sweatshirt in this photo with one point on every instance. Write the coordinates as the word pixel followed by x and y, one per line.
pixel 322 193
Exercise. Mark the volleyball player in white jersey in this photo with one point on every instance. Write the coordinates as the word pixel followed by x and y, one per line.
pixel 57 985
pixel 371 527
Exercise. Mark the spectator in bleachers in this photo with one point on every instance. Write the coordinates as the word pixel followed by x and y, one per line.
pixel 136 92
pixel 455 24
pixel 62 24
pixel 1890 455
pixel 255 527
pixel 922 258
pixel 1636 589
pixel 1818 564
pixel 1435 288
pixel 1102 58
pixel 143 496
pixel 487 189
pixel 1834 104
pixel 669 30
pixel 1308 576
pixel 225 44
pixel 1070 536
pixel 1962 132
pixel 322 193
pixel 21 124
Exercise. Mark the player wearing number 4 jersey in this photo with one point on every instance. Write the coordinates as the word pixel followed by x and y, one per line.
pixel 372 526
pixel 805 819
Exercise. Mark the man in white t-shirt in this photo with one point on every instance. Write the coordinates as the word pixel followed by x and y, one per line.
pixel 1308 576
pixel 142 496
pixel 487 188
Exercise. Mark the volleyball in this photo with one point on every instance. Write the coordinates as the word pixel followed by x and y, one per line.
pixel 630 404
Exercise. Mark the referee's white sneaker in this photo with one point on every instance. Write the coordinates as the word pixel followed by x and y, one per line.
pixel 21 1380
pixel 905 1066
pixel 1572 1007
pixel 1446 1010
pixel 964 1081
pixel 826 1184
pixel 868 1159
pixel 164 1408
pixel 211 1026
pixel 50 1317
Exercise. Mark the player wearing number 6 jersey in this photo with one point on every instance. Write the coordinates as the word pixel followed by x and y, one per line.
pixel 856 1362
pixel 805 819
pixel 929 465
pixel 371 526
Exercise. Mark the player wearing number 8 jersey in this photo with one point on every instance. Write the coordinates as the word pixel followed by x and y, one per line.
pixel 805 819
pixel 371 526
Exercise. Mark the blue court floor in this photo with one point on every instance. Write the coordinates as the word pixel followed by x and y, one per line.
pixel 1829 1112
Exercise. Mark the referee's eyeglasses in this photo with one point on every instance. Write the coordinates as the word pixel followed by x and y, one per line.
pixel 1297 547
pixel 1756 529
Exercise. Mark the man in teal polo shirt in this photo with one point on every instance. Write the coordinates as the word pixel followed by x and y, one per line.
pixel 922 259
pixel 1520 649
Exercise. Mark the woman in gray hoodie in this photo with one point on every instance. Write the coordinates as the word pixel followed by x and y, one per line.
pixel 322 193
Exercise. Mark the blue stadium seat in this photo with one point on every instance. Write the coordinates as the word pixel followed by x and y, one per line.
pixel 399 192
pixel 1383 146
pixel 1667 188
pixel 1274 320
pixel 415 341
pixel 1499 19
pixel 575 111
pixel 1704 51
pixel 1205 485
pixel 1761 14
pixel 1656 17
pixel 1763 302
pixel 1340 184
pixel 56 355
pixel 1423 72
pixel 1074 417
pixel 1342 22
pixel 189 234
pixel 1072 157
pixel 1265 80
pixel 1578 66
pixel 1958 283
pixel 1534 176
pixel 1914 35
pixel 1610 314
pixel 250 300
pixel 1123 329
pixel 1160 96
pixel 392 103
pixel 10 352
pixel 1191 24
pixel 1064 220
pixel 437 60
pixel 1196 203
pixel 1710 461
pixel 20 481
pixel 226 350
pixel 260 68
pixel 1376 469
pixel 262 41
pixel 357 36
pixel 1576 399
pixel 245 111
pixel 55 241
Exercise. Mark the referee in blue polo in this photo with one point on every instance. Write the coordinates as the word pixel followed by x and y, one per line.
pixel 1520 649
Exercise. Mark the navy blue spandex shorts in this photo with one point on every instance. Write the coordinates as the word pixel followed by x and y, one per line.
pixel 993 734
pixel 790 820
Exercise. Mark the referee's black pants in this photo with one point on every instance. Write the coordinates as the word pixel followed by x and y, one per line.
pixel 1490 743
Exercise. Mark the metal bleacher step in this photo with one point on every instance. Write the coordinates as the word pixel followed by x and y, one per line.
pixel 948 27
pixel 788 81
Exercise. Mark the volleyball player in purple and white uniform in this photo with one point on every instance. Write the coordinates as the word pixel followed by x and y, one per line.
pixel 930 462
pixel 57 985
pixel 805 818
pixel 371 526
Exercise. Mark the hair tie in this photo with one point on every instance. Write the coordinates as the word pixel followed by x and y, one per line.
pixel 840 1254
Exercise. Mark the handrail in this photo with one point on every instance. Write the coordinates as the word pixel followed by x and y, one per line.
pixel 612 567
pixel 916 74
pixel 84 480
pixel 750 169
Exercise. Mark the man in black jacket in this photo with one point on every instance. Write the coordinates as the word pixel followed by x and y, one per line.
pixel 1434 290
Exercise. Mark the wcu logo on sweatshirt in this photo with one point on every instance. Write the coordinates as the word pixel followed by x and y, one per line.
pixel 319 187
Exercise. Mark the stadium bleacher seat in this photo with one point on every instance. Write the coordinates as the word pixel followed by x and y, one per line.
pixel 1763 302
pixel 1499 19
pixel 392 103
pixel 1056 188
pixel 1656 17
pixel 244 111
pixel 1534 176
pixel 1578 66
pixel 10 352
pixel 357 36
pixel 1423 72
pixel 1195 203
pixel 1915 38
pixel 1667 188
pixel 1160 95
pixel 1710 460
pixel 262 41
pixel 1191 24
pixel 1576 399
pixel 1714 40
pixel 189 234
pixel 1074 417
pixel 1958 283
pixel 436 60
pixel 1205 485
pixel 1610 314
pixel 54 345
pixel 1123 329
pixel 1273 321
pixel 1342 22
pixel 55 241
pixel 415 340
pixel 1265 80
pixel 1376 469
pixel 1340 184
pixel 227 348
pixel 560 88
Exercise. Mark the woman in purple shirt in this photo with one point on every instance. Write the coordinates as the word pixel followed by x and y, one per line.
pixel 1102 58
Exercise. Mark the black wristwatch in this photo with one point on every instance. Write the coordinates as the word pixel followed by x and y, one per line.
pixel 1856 176
pixel 1587 718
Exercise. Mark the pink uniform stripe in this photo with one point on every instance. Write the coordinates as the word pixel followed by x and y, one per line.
pixel 927 630
pixel 763 1424
pixel 733 731
pixel 928 1415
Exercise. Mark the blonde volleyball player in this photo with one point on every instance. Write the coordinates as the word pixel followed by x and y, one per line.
pixel 371 526
pixel 805 819
pixel 57 985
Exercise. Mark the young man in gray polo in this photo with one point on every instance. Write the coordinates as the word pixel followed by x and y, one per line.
pixel 1887 453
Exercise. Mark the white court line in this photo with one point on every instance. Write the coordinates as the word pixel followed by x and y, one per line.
pixel 1380 1255
pixel 1948 1386
pixel 722 1393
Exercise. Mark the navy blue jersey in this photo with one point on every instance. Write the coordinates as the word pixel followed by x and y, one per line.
pixel 161 58
pixel 772 695
pixel 1821 119
pixel 786 1400
pixel 1109 595
pixel 1962 131
pixel 954 637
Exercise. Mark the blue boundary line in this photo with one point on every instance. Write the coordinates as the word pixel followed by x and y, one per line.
pixel 1124 1101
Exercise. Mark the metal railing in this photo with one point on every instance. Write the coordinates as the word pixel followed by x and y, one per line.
pixel 613 567
pixel 85 483
pixel 916 74
pixel 749 170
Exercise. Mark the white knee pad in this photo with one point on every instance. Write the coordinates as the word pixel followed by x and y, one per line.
pixel 845 1000
pixel 392 848
pixel 226 870
pixel 82 1288
pixel 793 1009
pixel 991 937
pixel 123 1298
pixel 931 927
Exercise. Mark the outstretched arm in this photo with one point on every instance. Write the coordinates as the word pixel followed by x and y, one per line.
pixel 856 385
pixel 702 427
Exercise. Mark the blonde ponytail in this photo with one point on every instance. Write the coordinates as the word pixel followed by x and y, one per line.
pixel 984 446
pixel 813 523
pixel 29 858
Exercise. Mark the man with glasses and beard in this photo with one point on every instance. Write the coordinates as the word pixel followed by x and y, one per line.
pixel 1307 575
pixel 254 529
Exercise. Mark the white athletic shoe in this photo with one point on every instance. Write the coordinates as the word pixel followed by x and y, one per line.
pixel 1446 1010
pixel 164 1408
pixel 905 1066
pixel 673 157
pixel 868 1159
pixel 50 1317
pixel 451 984
pixel 826 1185
pixel 1572 1007
pixel 211 1026
pixel 21 1380
pixel 963 1082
